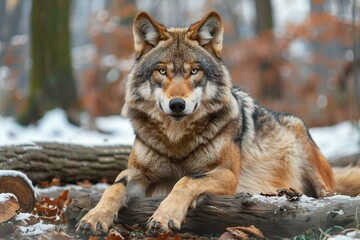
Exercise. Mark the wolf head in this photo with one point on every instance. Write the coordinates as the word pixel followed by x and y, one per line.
pixel 178 73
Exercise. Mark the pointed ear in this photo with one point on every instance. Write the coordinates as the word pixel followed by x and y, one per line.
pixel 147 33
pixel 208 32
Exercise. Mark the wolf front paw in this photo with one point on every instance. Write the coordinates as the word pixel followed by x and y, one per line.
pixel 164 221
pixel 95 222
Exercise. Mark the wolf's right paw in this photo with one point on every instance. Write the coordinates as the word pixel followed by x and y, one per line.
pixel 96 222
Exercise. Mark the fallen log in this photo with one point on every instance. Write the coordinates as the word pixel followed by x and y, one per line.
pixel 18 184
pixel 274 216
pixel 8 206
pixel 45 160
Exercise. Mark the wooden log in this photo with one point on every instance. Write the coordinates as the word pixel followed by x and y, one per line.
pixel 17 183
pixel 274 216
pixel 71 162
pixel 45 160
pixel 8 206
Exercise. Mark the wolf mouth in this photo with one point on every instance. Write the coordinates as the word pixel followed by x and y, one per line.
pixel 178 117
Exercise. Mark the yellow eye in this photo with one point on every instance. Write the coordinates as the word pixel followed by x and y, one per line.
pixel 162 71
pixel 194 71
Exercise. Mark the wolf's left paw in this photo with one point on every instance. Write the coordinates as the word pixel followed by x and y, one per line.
pixel 165 219
pixel 96 221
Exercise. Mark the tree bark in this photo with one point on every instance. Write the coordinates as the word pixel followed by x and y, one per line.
pixel 52 81
pixel 43 161
pixel 46 160
pixel 264 16
pixel 274 216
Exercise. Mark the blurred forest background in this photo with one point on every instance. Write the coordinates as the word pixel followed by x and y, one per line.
pixel 297 56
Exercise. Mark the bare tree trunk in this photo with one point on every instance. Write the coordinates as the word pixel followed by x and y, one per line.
pixel 52 81
pixel 275 218
pixel 264 16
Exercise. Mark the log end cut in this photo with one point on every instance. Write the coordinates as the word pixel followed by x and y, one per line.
pixel 20 186
pixel 8 206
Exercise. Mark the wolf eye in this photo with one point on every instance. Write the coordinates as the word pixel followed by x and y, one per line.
pixel 162 71
pixel 194 71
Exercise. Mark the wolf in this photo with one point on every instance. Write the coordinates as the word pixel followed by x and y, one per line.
pixel 198 134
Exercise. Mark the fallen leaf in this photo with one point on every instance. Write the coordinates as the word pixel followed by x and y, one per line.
pixel 226 235
pixel 114 235
pixel 166 236
pixel 243 232
pixel 94 238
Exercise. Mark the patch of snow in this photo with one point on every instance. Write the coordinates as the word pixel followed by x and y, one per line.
pixel 354 234
pixel 55 127
pixel 285 12
pixel 6 196
pixel 36 229
pixel 341 237
pixel 23 216
pixel 266 199
pixel 13 173
pixel 338 140
pixel 99 187
pixel 310 203
pixel 58 189
pixel 342 197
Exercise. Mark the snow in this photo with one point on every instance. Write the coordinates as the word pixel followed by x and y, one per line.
pixel 339 140
pixel 55 127
pixel 6 196
pixel 13 173
pixel 98 187
pixel 340 237
pixel 285 12
pixel 23 216
pixel 36 229
pixel 355 234
pixel 266 199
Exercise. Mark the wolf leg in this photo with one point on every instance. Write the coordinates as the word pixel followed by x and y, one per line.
pixel 322 178
pixel 172 210
pixel 100 218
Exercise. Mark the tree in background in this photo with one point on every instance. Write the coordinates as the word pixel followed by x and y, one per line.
pixel 268 67
pixel 264 16
pixel 52 81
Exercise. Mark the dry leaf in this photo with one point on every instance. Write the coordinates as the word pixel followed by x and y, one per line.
pixel 166 236
pixel 226 236
pixel 240 232
pixel 114 235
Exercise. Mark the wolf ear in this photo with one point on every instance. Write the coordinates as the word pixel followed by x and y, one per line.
pixel 147 33
pixel 208 32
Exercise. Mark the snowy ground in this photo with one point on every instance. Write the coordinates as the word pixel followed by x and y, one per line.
pixel 339 140
pixel 55 127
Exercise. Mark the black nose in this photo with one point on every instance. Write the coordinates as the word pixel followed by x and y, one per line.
pixel 177 105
